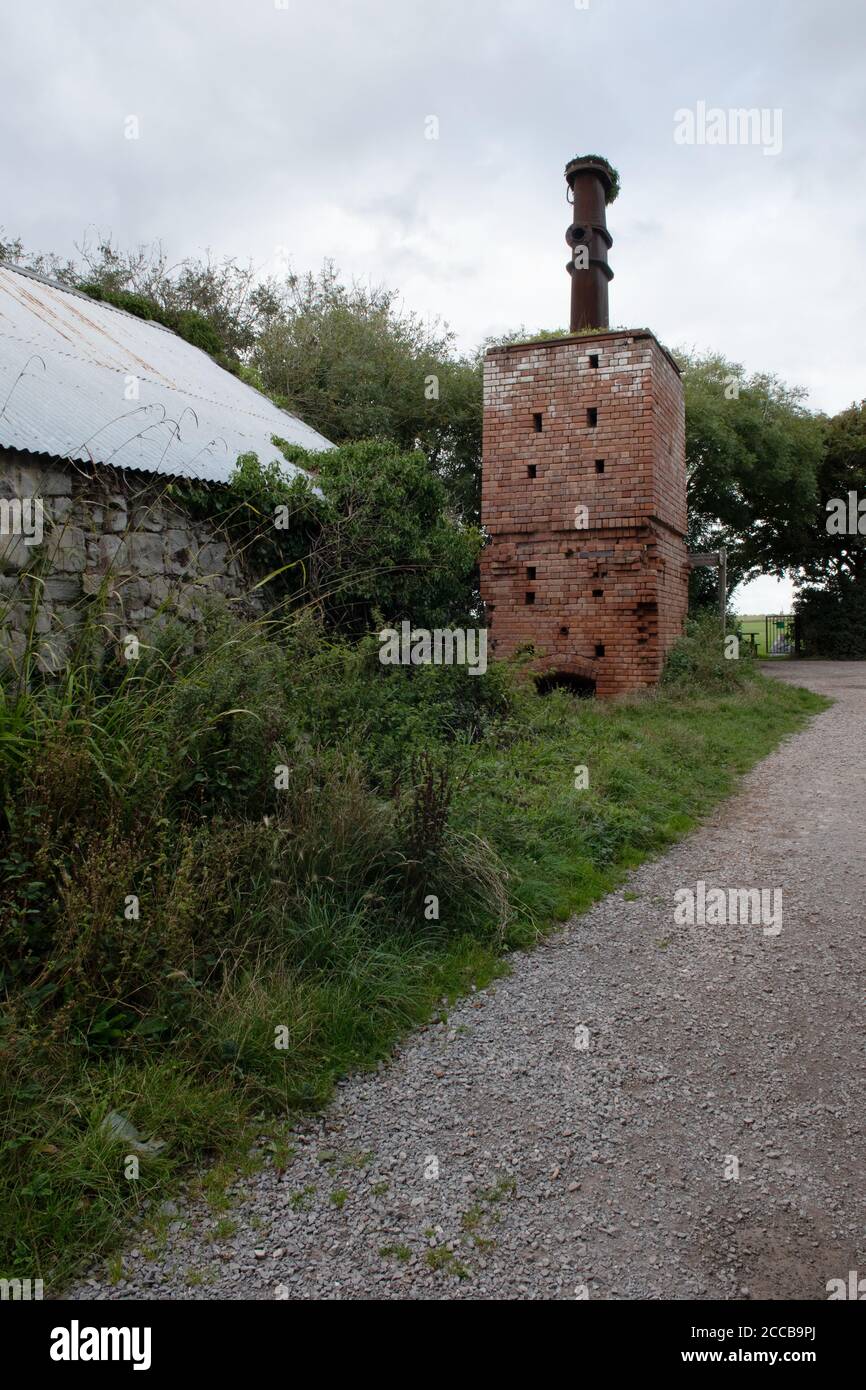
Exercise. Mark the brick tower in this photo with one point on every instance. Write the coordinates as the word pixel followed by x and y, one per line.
pixel 584 484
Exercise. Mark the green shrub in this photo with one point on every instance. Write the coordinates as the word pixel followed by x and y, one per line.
pixel 189 324
pixel 697 661
pixel 258 832
pixel 833 621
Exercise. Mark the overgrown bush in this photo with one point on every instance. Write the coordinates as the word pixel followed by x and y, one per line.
pixel 833 621
pixel 266 833
pixel 363 530
pixel 256 831
pixel 194 786
pixel 704 660
pixel 196 328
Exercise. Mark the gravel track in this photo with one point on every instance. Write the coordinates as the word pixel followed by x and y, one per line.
pixel 600 1172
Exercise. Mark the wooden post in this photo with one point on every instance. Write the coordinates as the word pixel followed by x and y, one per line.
pixel 723 587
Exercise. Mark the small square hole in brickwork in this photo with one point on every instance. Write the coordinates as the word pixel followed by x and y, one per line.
pixel 530 596
pixel 530 571
pixel 537 422
pixel 592 416
pixel 531 470
pixel 593 359
pixel 599 649
pixel 599 465
pixel 598 593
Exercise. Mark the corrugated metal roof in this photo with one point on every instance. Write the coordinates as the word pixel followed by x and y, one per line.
pixel 68 364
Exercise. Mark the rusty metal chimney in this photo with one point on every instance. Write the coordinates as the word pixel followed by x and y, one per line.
pixel 592 184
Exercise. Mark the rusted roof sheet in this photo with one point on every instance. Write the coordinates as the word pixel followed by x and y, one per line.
pixel 82 380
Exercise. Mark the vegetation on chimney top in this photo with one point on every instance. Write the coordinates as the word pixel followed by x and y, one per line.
pixel 612 191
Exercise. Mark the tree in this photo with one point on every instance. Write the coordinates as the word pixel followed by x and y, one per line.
pixel 230 295
pixel 350 361
pixel 389 545
pixel 833 545
pixel 831 600
pixel 752 457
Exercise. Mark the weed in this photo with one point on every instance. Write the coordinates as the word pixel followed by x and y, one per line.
pixel 444 1261
pixel 300 1201
pixel 396 1252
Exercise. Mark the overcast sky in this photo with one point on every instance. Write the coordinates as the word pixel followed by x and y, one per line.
pixel 300 127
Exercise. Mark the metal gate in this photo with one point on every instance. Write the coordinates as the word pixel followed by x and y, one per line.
pixel 782 635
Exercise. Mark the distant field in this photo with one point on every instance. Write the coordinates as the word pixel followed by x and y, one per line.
pixel 755 624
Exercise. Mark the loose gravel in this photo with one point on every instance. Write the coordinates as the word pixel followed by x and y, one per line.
pixel 574 1130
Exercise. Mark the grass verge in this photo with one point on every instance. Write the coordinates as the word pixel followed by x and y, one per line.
pixel 242 870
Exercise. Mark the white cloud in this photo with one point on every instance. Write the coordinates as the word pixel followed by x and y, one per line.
pixel 304 127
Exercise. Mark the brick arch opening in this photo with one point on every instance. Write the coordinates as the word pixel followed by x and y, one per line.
pixel 583 687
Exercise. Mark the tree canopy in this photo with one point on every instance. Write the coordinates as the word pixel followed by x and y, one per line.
pixel 830 553
pixel 355 364
pixel 752 455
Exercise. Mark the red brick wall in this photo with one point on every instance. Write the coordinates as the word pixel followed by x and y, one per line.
pixel 620 581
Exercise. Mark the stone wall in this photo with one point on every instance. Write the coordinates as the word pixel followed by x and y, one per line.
pixel 584 497
pixel 113 542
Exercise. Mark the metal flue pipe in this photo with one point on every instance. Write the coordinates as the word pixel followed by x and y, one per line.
pixel 589 184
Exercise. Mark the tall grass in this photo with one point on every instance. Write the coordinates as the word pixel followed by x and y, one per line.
pixel 247 862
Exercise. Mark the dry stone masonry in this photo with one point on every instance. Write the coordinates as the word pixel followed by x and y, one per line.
pixel 111 537
pixel 111 427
